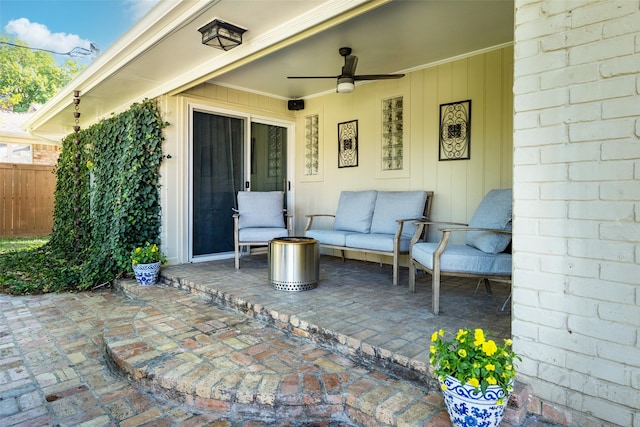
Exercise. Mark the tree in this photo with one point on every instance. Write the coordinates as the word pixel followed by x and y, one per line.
pixel 30 76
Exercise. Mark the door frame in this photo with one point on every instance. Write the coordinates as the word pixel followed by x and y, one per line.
pixel 248 119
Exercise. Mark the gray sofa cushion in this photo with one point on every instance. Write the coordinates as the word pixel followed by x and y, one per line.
pixel 261 209
pixel 393 205
pixel 355 210
pixel 376 242
pixel 493 212
pixel 329 237
pixel 464 259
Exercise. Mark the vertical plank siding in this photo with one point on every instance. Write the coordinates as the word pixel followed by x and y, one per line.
pixel 26 200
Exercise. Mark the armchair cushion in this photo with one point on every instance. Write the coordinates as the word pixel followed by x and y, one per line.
pixel 355 210
pixel 463 259
pixel 493 212
pixel 260 209
pixel 393 205
pixel 260 234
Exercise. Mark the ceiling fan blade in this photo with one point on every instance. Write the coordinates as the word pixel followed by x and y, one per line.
pixel 377 76
pixel 350 64
pixel 312 77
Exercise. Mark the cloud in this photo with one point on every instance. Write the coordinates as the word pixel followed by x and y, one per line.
pixel 139 8
pixel 39 36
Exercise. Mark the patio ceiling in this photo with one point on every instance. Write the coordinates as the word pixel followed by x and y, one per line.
pixel 163 54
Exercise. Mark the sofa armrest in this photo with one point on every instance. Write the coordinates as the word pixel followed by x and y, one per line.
pixel 311 217
pixel 401 223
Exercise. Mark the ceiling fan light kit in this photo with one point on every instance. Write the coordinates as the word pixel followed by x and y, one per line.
pixel 345 85
pixel 347 78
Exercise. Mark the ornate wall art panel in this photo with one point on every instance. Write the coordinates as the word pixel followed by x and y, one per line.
pixel 455 131
pixel 348 144
pixel 311 145
pixel 392 134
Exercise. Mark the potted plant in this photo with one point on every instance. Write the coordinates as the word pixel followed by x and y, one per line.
pixel 146 261
pixel 476 375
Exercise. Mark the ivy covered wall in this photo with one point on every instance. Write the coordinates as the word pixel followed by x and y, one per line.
pixel 107 198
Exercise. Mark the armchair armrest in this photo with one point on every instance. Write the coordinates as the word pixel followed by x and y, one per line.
pixel 446 233
pixel 422 223
pixel 311 217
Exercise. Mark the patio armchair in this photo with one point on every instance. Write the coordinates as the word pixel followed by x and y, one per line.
pixel 260 217
pixel 485 254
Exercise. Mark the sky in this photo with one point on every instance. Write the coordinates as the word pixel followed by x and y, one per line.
pixel 62 25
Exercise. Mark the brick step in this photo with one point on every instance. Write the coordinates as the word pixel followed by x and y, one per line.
pixel 216 359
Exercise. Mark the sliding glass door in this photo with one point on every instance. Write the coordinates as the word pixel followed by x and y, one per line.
pixel 218 152
pixel 225 160
pixel 268 157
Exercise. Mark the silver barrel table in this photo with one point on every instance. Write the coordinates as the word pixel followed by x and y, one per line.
pixel 294 263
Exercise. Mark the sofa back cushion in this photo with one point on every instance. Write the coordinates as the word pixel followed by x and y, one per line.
pixel 355 209
pixel 260 209
pixel 393 205
pixel 493 212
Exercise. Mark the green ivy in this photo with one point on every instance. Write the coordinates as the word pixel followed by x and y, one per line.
pixel 107 202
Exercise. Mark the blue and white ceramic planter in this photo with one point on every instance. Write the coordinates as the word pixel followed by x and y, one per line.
pixel 146 274
pixel 468 408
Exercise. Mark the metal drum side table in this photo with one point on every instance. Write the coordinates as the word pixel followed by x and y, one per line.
pixel 294 263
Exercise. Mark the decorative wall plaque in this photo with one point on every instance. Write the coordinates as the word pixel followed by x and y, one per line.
pixel 455 131
pixel 348 144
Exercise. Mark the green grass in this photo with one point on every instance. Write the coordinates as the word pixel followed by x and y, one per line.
pixel 29 266
pixel 13 244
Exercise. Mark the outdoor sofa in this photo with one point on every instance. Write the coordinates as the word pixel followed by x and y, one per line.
pixel 377 222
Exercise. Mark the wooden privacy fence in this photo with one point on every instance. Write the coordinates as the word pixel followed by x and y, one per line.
pixel 26 200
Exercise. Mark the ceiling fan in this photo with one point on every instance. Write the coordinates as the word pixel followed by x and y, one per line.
pixel 347 78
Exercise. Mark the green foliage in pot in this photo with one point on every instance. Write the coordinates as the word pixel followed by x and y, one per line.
pixel 147 254
pixel 472 359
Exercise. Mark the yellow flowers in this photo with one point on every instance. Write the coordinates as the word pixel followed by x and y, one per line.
pixel 472 358
pixel 489 347
pixel 147 254
pixel 435 335
pixel 479 336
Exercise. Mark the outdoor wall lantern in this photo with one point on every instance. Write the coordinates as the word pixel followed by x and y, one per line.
pixel 221 35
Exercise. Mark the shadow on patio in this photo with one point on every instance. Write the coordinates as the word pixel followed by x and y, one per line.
pixel 354 309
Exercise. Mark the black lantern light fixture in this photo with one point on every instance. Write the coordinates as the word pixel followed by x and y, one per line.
pixel 221 35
